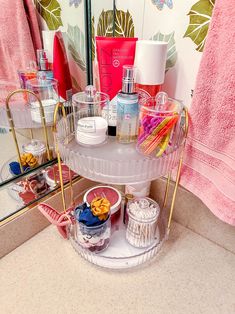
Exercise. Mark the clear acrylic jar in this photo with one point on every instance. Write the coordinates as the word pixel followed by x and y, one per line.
pixel 90 110
pixel 159 125
pixel 38 149
pixel 95 238
pixel 142 215
pixel 47 91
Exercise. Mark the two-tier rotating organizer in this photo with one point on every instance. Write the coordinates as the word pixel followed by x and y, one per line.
pixel 118 164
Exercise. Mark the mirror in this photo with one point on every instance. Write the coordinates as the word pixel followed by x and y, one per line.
pixel 37 23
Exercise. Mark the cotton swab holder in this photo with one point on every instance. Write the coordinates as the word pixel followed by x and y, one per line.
pixel 159 125
pixel 143 214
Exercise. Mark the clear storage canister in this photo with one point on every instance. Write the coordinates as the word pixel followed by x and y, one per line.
pixel 94 238
pixel 159 125
pixel 47 91
pixel 90 110
pixel 142 215
pixel 37 148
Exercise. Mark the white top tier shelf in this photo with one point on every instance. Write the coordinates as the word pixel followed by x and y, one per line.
pixel 112 162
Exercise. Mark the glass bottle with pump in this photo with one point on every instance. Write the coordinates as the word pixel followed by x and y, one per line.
pixel 43 63
pixel 127 108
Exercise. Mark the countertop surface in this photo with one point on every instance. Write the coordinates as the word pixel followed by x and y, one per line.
pixel 190 275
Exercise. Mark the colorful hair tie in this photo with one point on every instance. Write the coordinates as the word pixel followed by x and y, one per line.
pixel 100 207
pixel 28 159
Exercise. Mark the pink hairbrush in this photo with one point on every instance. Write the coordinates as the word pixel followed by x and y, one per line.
pixel 60 220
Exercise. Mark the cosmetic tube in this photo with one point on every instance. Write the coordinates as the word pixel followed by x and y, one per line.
pixel 150 61
pixel 112 54
pixel 61 70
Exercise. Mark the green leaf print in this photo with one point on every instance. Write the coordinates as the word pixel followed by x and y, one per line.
pixel 200 17
pixel 50 11
pixel 120 26
pixel 124 26
pixel 76 46
pixel 171 49
pixel 105 24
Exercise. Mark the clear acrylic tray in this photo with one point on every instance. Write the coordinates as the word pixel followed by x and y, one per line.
pixel 112 162
pixel 5 173
pixel 120 254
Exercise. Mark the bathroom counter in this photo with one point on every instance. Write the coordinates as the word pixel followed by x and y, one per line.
pixel 190 275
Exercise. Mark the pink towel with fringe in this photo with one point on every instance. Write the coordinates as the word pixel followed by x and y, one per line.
pixel 209 163
pixel 19 38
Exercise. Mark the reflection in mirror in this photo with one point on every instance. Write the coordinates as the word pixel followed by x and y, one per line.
pixel 30 188
pixel 45 53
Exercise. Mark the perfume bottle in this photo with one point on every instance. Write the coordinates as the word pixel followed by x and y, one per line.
pixel 43 64
pixel 127 108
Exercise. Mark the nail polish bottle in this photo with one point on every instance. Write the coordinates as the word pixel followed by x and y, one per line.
pixel 127 108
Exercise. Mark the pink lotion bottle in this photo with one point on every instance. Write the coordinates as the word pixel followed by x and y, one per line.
pixel 150 61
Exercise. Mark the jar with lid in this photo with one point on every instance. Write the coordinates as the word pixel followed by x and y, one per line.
pixel 159 125
pixel 47 91
pixel 143 214
pixel 37 148
pixel 90 109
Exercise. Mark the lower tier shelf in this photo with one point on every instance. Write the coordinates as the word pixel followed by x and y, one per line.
pixel 120 254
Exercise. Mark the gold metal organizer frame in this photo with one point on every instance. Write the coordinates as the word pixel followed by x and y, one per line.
pixel 186 125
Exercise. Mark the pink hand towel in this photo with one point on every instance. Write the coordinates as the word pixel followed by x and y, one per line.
pixel 209 165
pixel 19 37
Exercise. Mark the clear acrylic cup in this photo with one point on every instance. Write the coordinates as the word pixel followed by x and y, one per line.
pixel 47 91
pixel 95 238
pixel 159 125
pixel 142 222
pixel 37 148
pixel 90 109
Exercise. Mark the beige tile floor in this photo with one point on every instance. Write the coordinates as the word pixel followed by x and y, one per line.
pixel 191 275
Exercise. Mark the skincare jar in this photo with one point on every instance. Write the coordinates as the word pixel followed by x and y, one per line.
pixel 47 91
pixel 159 125
pixel 37 148
pixel 90 109
pixel 52 175
pixel 112 194
pixel 142 214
